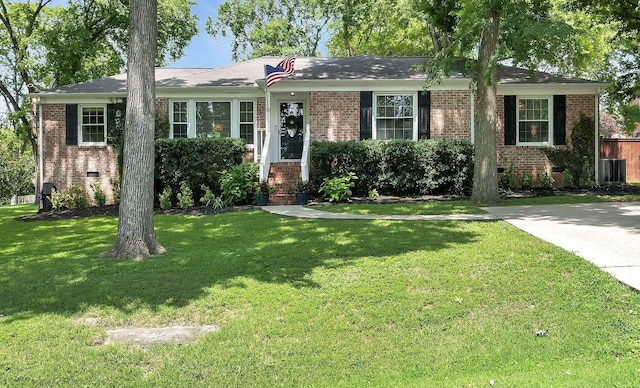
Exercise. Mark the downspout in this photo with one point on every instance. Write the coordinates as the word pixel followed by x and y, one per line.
pixel 36 101
pixel 597 138
pixel 473 116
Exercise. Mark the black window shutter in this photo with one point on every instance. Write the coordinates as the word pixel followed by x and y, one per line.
pixel 560 120
pixel 72 124
pixel 366 115
pixel 510 120
pixel 424 115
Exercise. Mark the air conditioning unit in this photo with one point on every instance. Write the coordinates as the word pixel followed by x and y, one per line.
pixel 612 171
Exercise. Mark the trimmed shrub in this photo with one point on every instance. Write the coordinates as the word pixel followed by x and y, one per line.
pixel 397 167
pixel 197 161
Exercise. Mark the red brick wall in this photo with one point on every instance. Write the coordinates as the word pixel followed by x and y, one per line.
pixel 66 165
pixel 451 115
pixel 529 159
pixel 262 122
pixel 335 116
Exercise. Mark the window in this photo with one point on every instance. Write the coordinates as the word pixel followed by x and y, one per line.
pixel 213 117
pixel 395 116
pixel 93 128
pixel 201 118
pixel 179 123
pixel 247 119
pixel 534 120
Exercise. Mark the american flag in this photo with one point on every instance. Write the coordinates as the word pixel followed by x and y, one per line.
pixel 284 69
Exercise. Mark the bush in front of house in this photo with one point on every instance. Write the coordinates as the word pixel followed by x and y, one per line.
pixel 577 159
pixel 99 195
pixel 237 183
pixel 75 197
pixel 196 161
pixel 338 189
pixel 185 196
pixel 397 167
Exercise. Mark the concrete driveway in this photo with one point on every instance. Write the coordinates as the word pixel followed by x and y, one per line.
pixel 606 234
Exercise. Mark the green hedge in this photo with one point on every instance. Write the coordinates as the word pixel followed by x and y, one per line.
pixel 198 161
pixel 397 167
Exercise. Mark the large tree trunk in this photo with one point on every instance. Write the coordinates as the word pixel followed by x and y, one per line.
pixel 485 175
pixel 136 236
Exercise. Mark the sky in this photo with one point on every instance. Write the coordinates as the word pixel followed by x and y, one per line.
pixel 205 50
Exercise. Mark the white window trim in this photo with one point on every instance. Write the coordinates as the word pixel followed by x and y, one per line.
pixel 81 141
pixel 374 118
pixel 254 122
pixel 235 114
pixel 171 122
pixel 550 118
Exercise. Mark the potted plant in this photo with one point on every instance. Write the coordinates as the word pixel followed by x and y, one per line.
pixel 301 188
pixel 262 189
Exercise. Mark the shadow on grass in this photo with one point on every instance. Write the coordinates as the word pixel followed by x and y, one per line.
pixel 54 267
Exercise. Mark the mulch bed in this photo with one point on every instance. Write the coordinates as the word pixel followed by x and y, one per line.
pixel 112 210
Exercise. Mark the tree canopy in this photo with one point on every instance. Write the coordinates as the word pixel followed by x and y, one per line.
pixel 312 27
pixel 268 27
pixel 44 45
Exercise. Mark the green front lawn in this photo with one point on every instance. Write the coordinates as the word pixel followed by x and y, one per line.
pixel 311 303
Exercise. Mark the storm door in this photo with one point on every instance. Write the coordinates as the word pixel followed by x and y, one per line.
pixel 291 130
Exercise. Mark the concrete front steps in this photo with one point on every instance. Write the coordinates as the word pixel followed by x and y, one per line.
pixel 283 175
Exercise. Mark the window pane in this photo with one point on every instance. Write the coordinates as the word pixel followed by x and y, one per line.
pixel 534 131
pixel 179 131
pixel 213 117
pixel 246 133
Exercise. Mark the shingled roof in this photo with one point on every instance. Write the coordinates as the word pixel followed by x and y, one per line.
pixel 246 74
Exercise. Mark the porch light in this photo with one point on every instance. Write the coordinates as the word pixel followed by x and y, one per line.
pixel 292 94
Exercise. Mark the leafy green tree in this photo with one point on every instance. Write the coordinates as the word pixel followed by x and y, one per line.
pixel 394 27
pixel 526 32
pixel 271 27
pixel 16 167
pixel 623 67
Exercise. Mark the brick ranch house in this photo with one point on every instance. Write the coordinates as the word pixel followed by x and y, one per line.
pixel 332 99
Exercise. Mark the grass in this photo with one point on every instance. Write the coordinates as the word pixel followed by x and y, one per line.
pixel 311 303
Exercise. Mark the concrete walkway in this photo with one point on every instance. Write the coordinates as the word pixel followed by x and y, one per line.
pixel 313 213
pixel 606 234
